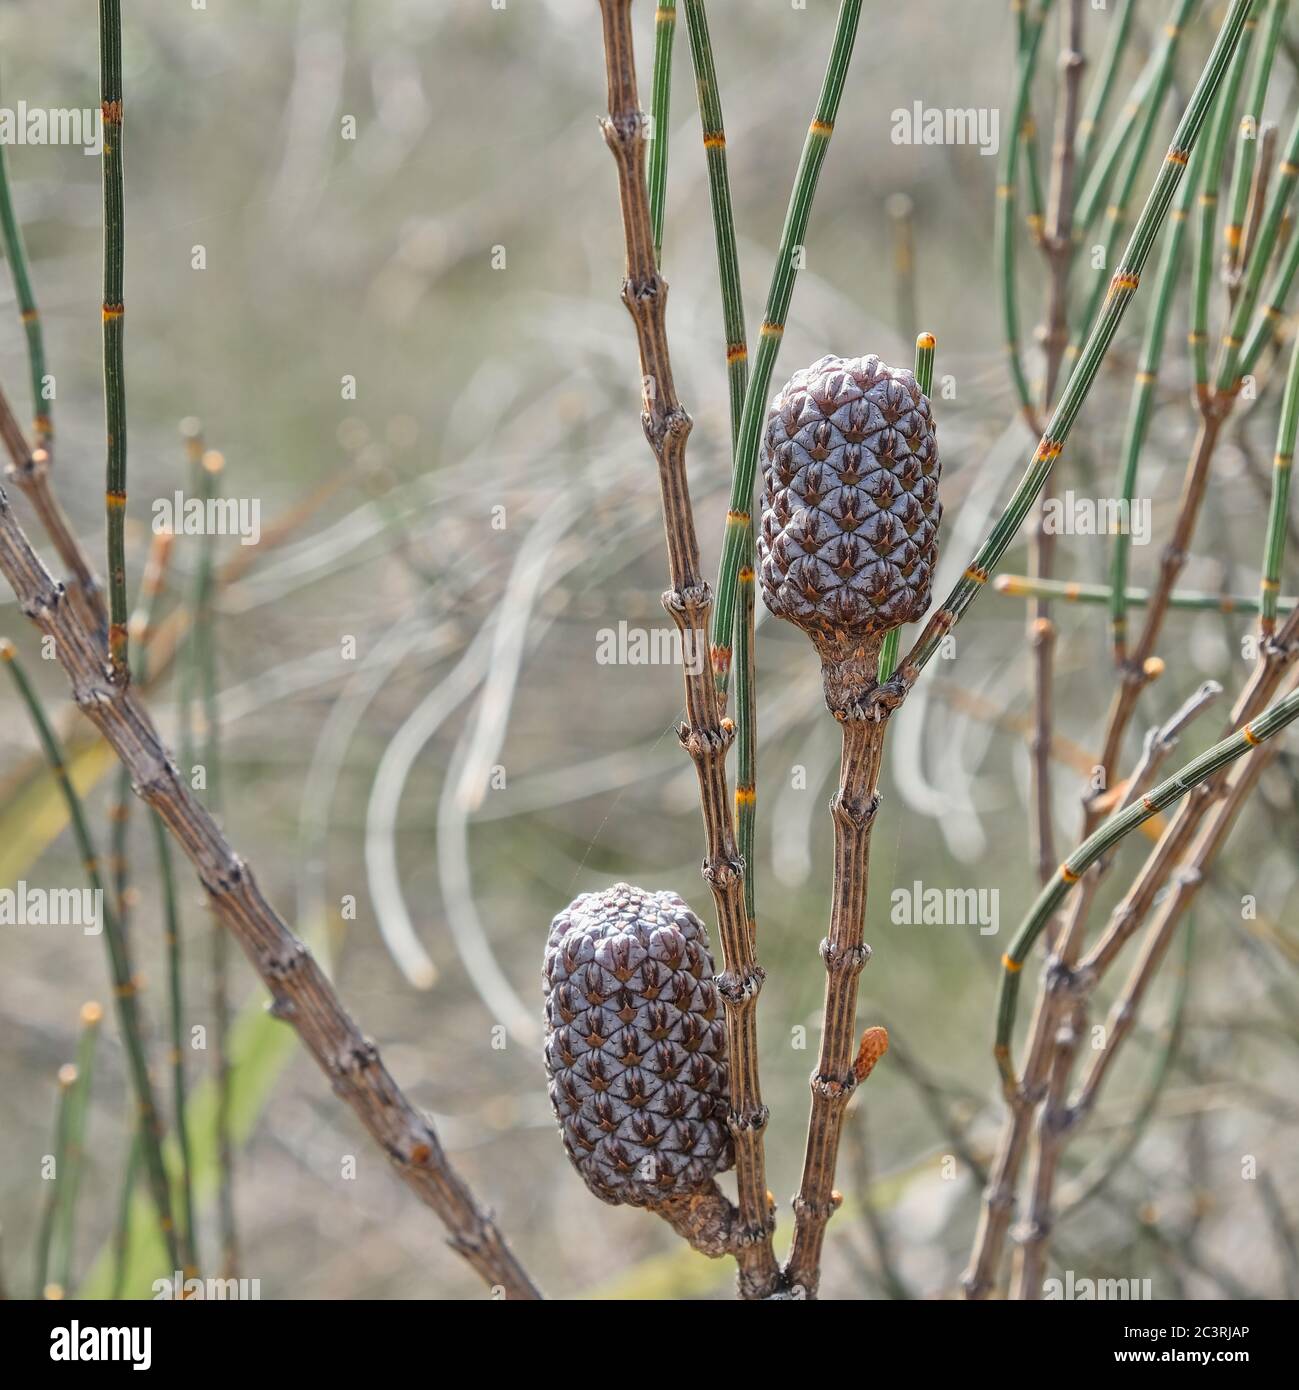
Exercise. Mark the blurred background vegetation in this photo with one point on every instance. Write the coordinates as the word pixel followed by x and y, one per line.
pixel 474 519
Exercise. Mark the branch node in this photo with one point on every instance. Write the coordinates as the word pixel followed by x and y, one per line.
pixel 357 1057
pixel 689 607
pixel 851 959
pixel 833 1087
pixel 818 1211
pixel 721 874
pixel 703 743
pixel 752 1121
pixel 853 813
pixel 736 988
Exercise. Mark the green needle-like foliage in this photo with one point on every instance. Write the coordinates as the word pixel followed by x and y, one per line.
pixel 737 376
pixel 1122 288
pixel 1259 730
pixel 50 1206
pixel 124 986
pixel 665 25
pixel 110 95
pixel 1137 147
pixel 1098 98
pixel 784 274
pixel 924 374
pixel 1229 358
pixel 69 1183
pixel 1029 47
pixel 1143 397
pixel 1216 141
pixel 1073 591
pixel 1279 510
pixel 1242 175
pixel 16 254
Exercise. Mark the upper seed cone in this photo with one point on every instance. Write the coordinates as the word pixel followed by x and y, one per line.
pixel 850 511
pixel 636 1046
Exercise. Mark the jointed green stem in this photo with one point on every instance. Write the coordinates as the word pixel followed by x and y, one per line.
pixel 1242 176
pixel 1265 325
pixel 16 252
pixel 75 1155
pixel 1091 201
pixel 124 986
pixel 737 375
pixel 1258 730
pixel 110 93
pixel 1036 218
pixel 50 1207
pixel 773 326
pixel 1122 288
pixel 1215 150
pixel 1030 44
pixel 205 659
pixel 1230 370
pixel 1099 97
pixel 746 740
pixel 1072 591
pixel 176 1021
pixel 924 374
pixel 1099 1174
pixel 1137 147
pixel 1143 395
pixel 1278 511
pixel 122 1224
pixel 665 25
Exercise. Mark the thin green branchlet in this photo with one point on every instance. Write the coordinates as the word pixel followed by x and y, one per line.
pixel 1249 736
pixel 110 94
pixel 1229 373
pixel 1136 148
pixel 784 274
pixel 29 313
pixel 69 1183
pixel 1242 175
pixel 1215 147
pixel 1096 187
pixel 1269 602
pixel 737 376
pixel 1123 287
pixel 123 981
pixel 665 25
pixel 67 1079
pixel 1143 396
pixel 1098 99
pixel 1030 42
pixel 1075 591
pixel 924 375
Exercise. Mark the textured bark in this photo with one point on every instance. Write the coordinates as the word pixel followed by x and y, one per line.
pixel 301 995
pixel 705 735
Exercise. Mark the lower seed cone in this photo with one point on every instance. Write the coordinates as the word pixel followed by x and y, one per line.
pixel 850 512
pixel 636 1056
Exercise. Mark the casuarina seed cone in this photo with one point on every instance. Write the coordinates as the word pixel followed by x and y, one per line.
pixel 636 1046
pixel 850 510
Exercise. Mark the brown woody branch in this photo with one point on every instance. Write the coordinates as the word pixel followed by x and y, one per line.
pixel 301 995
pixel 1162 929
pixel 1183 850
pixel 30 471
pixel 845 954
pixel 1057 1120
pixel 705 735
pixel 1141 666
pixel 1057 248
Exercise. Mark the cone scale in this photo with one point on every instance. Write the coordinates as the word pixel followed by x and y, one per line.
pixel 850 512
